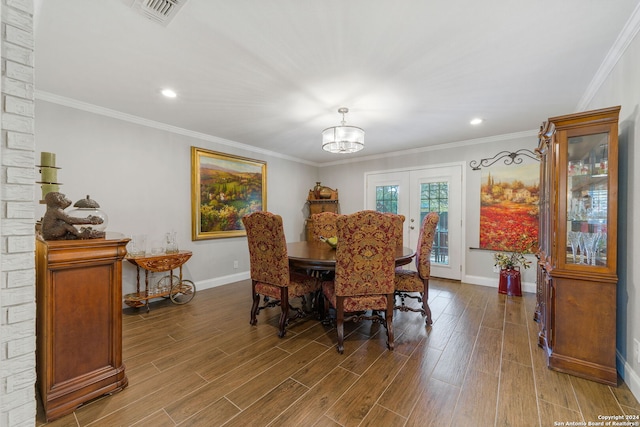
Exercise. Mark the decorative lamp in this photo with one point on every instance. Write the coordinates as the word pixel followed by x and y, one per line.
pixel 343 139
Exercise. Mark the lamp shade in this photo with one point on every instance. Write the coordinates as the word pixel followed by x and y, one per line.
pixel 343 139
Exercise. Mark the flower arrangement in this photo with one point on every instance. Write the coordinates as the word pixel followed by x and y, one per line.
pixel 510 261
pixel 515 258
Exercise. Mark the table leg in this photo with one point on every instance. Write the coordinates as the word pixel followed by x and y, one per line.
pixel 146 288
pixel 138 280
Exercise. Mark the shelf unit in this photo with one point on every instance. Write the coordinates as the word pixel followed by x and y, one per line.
pixel 577 277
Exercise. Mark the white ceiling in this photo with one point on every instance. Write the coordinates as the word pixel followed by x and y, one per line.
pixel 273 73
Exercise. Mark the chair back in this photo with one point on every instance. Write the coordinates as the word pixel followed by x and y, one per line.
pixel 324 224
pixel 398 225
pixel 365 256
pixel 425 244
pixel 267 248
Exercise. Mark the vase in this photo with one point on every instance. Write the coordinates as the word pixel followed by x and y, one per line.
pixel 325 193
pixel 510 283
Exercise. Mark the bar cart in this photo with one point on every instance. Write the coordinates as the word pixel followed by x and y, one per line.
pixel 179 290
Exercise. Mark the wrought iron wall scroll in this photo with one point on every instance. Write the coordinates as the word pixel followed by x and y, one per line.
pixel 509 157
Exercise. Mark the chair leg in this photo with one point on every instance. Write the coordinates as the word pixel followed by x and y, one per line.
pixel 389 320
pixel 340 323
pixel 427 310
pixel 284 305
pixel 256 303
pixel 325 308
pixel 318 304
pixel 425 304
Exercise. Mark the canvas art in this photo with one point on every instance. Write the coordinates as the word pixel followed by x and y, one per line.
pixel 224 188
pixel 509 207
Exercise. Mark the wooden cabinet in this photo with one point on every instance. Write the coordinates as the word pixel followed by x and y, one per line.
pixel 577 278
pixel 79 321
pixel 320 199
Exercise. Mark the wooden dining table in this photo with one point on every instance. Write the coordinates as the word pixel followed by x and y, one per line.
pixel 316 255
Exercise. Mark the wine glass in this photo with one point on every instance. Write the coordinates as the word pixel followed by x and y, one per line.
pixel 592 245
pixel 583 249
pixel 574 241
pixel 588 239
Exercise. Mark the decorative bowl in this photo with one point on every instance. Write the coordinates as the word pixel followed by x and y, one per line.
pixel 331 241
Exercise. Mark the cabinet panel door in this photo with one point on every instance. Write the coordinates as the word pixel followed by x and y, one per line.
pixel 78 323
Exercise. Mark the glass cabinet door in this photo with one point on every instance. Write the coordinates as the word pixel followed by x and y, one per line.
pixel 587 199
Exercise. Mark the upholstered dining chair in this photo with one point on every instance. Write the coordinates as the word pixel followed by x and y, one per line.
pixel 409 282
pixel 270 274
pixel 324 224
pixel 364 275
pixel 398 225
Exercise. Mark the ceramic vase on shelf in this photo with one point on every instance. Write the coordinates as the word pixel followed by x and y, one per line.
pixel 316 189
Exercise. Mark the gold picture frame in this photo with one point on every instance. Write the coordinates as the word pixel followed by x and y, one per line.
pixel 224 188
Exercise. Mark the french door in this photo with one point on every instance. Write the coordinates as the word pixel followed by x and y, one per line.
pixel 415 193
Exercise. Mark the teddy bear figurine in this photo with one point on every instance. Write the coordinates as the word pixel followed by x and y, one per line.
pixel 58 225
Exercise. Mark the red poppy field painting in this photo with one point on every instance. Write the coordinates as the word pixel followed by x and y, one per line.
pixel 509 208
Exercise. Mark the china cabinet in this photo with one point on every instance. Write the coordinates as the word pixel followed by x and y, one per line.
pixel 576 277
pixel 79 321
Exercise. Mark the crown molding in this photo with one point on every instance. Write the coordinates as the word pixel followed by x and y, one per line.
pixel 626 36
pixel 449 145
pixel 85 106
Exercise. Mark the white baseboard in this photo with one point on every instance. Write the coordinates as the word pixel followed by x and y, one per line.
pixel 224 280
pixel 492 282
pixel 630 377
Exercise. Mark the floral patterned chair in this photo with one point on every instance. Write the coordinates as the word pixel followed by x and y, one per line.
pixel 398 225
pixel 409 281
pixel 324 224
pixel 364 276
pixel 270 275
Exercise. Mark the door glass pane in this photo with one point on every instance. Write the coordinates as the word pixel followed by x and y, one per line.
pixel 434 197
pixel 387 198
pixel 587 199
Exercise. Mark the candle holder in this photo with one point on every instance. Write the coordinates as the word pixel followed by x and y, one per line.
pixel 48 174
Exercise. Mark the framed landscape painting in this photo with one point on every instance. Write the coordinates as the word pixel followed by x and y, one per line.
pixel 224 188
pixel 509 208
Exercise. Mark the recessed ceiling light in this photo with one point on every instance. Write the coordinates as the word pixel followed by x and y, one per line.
pixel 476 121
pixel 169 93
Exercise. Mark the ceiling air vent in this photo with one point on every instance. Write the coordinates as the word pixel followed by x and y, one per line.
pixel 161 11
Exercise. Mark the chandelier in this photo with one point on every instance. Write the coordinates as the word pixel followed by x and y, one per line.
pixel 343 139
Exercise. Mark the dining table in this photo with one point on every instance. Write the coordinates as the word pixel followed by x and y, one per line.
pixel 317 255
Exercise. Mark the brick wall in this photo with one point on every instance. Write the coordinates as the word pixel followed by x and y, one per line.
pixel 17 160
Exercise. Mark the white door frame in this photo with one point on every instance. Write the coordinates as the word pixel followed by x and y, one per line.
pixel 401 176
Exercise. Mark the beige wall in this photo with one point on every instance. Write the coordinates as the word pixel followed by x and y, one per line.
pixel 477 265
pixel 141 177
pixel 622 87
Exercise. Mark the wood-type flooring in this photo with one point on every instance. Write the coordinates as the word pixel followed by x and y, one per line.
pixel 202 364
